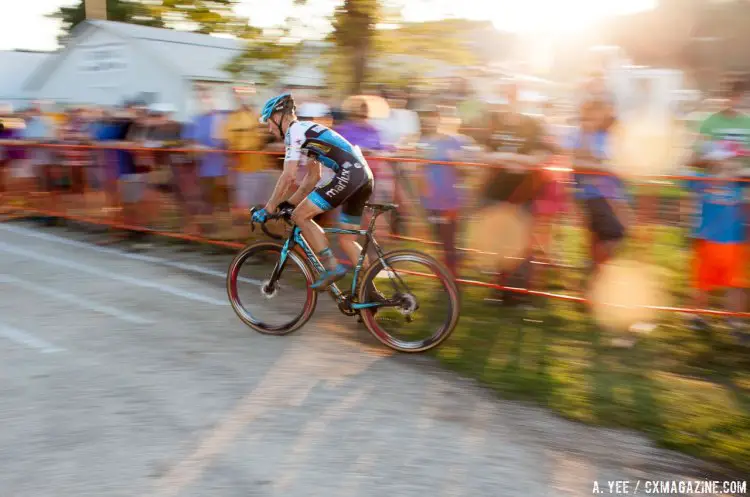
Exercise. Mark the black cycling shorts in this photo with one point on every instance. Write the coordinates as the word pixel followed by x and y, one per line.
pixel 603 220
pixel 350 188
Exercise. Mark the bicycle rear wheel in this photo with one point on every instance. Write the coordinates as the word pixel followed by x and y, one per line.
pixel 270 297
pixel 429 302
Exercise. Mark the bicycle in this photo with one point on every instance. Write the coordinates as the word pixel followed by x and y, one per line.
pixel 363 299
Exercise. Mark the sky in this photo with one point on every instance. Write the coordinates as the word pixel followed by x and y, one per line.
pixel 23 24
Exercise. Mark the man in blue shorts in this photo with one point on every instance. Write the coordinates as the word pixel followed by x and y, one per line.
pixel 350 187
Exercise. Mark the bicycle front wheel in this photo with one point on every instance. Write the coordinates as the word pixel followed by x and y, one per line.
pixel 428 301
pixel 270 295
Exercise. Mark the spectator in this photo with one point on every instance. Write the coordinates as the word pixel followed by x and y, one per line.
pixel 399 131
pixel 314 110
pixel 11 156
pixel 602 193
pixel 5 112
pixel 121 130
pixel 516 145
pixel 337 114
pixel 161 131
pixel 204 133
pixel 470 105
pixel 252 180
pixel 514 141
pixel 720 234
pixel 597 88
pixel 401 127
pixel 358 130
pixel 76 132
pixel 97 176
pixel 110 127
pixel 39 129
pixel 137 193
pixel 441 197
pixel 177 171
pixel 552 199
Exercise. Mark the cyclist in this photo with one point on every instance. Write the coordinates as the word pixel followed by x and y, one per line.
pixel 350 187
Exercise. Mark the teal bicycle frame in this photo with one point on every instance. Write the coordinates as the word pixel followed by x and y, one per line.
pixel 296 239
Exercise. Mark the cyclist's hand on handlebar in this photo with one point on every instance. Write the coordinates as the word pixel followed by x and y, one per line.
pixel 260 216
pixel 285 208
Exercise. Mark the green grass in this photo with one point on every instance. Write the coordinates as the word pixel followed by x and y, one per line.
pixel 685 390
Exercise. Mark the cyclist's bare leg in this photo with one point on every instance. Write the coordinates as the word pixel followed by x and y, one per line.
pixel 303 217
pixel 350 245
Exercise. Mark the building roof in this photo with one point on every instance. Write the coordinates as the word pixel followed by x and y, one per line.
pixel 168 35
pixel 15 68
pixel 192 55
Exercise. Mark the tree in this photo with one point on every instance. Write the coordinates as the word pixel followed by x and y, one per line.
pixel 117 10
pixel 362 50
pixel 354 23
pixel 703 37
pixel 353 33
pixel 206 16
pixel 267 56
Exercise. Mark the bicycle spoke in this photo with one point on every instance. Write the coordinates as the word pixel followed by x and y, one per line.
pixel 427 306
pixel 269 297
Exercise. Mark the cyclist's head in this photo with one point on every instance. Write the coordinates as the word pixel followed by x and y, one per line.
pixel 279 114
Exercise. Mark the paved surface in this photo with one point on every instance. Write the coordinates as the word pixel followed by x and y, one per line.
pixel 126 374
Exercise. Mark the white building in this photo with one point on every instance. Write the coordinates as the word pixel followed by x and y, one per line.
pixel 105 63
pixel 15 68
pixel 309 65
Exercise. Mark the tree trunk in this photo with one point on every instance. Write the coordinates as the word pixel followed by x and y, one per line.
pixel 359 68
pixel 95 9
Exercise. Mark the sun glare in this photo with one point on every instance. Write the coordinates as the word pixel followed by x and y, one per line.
pixel 557 16
pixel 549 18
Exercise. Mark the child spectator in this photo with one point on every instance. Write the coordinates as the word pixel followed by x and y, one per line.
pixel 441 197
pixel 601 192
pixel 720 251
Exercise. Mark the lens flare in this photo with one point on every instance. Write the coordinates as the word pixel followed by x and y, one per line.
pixel 649 145
pixel 503 232
pixel 622 293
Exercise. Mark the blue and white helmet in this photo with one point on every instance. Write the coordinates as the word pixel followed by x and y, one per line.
pixel 280 103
